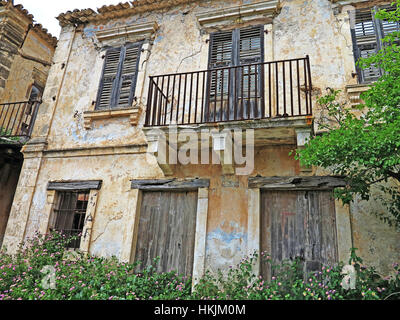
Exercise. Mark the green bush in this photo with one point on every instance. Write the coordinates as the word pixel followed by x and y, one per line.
pixel 81 277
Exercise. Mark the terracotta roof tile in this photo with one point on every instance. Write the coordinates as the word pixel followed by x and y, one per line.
pixel 118 10
pixel 36 26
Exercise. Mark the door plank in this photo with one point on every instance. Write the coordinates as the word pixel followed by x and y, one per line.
pixel 298 224
pixel 167 230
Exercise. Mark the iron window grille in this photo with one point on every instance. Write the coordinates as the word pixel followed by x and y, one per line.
pixel 70 215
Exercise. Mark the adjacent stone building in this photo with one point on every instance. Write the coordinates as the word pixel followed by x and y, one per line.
pixel 26 51
pixel 145 100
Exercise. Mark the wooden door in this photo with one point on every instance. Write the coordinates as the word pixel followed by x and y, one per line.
pixel 167 230
pixel 299 224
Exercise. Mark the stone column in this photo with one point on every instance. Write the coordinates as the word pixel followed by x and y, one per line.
pixel 201 236
pixel 19 215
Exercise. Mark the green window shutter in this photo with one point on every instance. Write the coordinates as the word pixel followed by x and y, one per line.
pixel 109 79
pixel 118 82
pixel 129 70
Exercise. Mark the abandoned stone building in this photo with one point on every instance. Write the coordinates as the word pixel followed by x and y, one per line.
pixel 26 51
pixel 129 87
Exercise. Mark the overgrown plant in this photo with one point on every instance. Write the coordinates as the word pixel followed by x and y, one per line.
pixel 27 276
pixel 365 148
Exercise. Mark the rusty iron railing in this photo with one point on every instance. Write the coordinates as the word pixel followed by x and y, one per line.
pixel 18 118
pixel 247 92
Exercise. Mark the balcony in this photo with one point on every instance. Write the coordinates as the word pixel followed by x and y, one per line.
pixel 272 98
pixel 269 90
pixel 17 120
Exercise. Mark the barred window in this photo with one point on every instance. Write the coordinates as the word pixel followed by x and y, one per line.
pixel 70 215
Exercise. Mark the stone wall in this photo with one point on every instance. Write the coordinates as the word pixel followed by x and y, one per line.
pixel 25 55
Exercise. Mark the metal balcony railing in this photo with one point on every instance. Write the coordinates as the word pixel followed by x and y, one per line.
pixel 18 118
pixel 247 92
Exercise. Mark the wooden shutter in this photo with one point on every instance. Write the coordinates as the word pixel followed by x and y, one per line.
pixel 167 230
pixel 118 83
pixel 299 224
pixel 250 52
pixel 389 27
pixel 251 45
pixel 221 55
pixel 109 79
pixel 129 74
pixel 365 44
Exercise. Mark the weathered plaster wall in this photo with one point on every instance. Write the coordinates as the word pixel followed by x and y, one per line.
pixel 18 39
pixel 112 207
pixel 377 242
pixel 24 72
pixel 303 27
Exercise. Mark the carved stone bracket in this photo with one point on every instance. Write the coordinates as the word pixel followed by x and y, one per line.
pixel 133 113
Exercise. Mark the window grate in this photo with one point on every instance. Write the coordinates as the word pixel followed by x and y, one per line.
pixel 70 215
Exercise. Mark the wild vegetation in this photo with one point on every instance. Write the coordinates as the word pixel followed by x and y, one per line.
pixel 43 269
pixel 363 144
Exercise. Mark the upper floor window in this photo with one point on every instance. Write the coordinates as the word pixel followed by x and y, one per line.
pixel 368 37
pixel 234 48
pixel 235 85
pixel 36 93
pixel 118 81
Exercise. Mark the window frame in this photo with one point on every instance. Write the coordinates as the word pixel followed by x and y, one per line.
pixel 82 212
pixel 92 187
pixel 117 84
pixel 235 76
pixel 378 28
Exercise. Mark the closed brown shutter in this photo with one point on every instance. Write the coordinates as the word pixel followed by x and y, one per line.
pixel 221 55
pixel 250 45
pixel 236 47
pixel 129 74
pixel 109 79
pixel 118 82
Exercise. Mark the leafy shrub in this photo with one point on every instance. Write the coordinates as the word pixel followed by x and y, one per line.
pixel 82 277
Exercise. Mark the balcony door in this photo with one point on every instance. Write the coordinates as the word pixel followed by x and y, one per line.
pixel 235 90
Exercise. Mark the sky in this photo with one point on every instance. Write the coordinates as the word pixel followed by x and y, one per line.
pixel 45 11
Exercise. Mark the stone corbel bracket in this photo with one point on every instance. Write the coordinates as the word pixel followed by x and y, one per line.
pixel 133 114
pixel 129 33
pixel 265 10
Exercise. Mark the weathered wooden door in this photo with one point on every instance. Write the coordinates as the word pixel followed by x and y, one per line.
pixel 167 229
pixel 299 224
